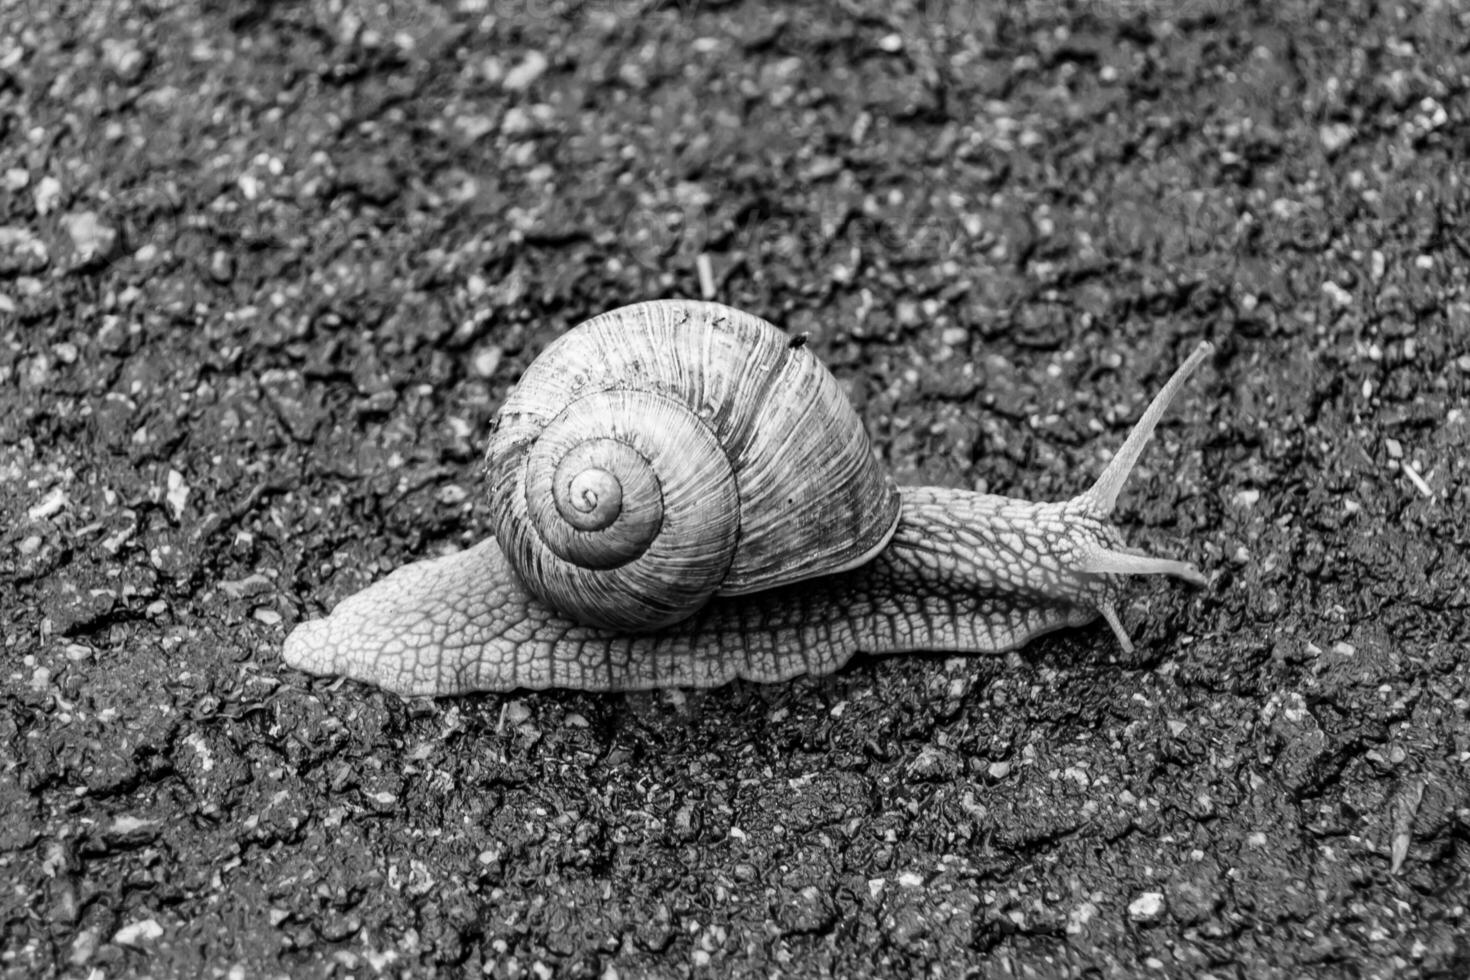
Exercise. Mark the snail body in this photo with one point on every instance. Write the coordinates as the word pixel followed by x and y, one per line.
pixel 681 496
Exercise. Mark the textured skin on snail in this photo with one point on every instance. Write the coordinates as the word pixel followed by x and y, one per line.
pixel 954 577
pixel 962 571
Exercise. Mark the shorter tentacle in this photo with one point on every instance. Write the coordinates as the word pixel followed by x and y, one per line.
pixel 1109 561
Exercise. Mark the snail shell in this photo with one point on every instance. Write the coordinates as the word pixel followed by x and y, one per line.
pixel 669 451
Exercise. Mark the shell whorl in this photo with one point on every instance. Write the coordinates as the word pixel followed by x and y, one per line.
pixel 664 452
pixel 620 488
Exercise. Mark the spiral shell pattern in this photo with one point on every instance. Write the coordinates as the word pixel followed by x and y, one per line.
pixel 664 452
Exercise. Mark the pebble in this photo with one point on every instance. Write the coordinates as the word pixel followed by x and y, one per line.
pixel 47 193
pixel 221 266
pixel 486 360
pixel 523 75
pixel 245 587
pixel 1146 907
pixel 51 505
pixel 178 493
pixel 138 933
pixel 21 251
pixel 475 125
pixel 907 313
pixel 1334 136
pixel 515 712
pixel 125 58
pixel 1246 499
pixel 84 947
pixel 90 237
pixel 1340 297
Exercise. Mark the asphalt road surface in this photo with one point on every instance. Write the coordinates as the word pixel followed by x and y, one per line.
pixel 267 269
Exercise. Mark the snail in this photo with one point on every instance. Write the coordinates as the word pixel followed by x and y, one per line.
pixel 681 496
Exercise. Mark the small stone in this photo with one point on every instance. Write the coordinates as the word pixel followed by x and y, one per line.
pixel 221 266
pixel 89 237
pixel 21 251
pixel 523 75
pixel 1432 115
pixel 486 361
pixel 515 712
pixel 167 559
pixel 128 829
pixel 84 947
pixel 178 493
pixel 51 505
pixel 48 193
pixel 378 403
pixel 475 125
pixel 907 313
pixel 244 588
pixel 1334 136
pixel 1340 297
pixel 138 933
pixel 1246 499
pixel 517 122
pixel 1146 907
pixel 125 58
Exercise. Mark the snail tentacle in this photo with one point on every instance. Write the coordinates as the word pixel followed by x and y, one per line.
pixel 1102 496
